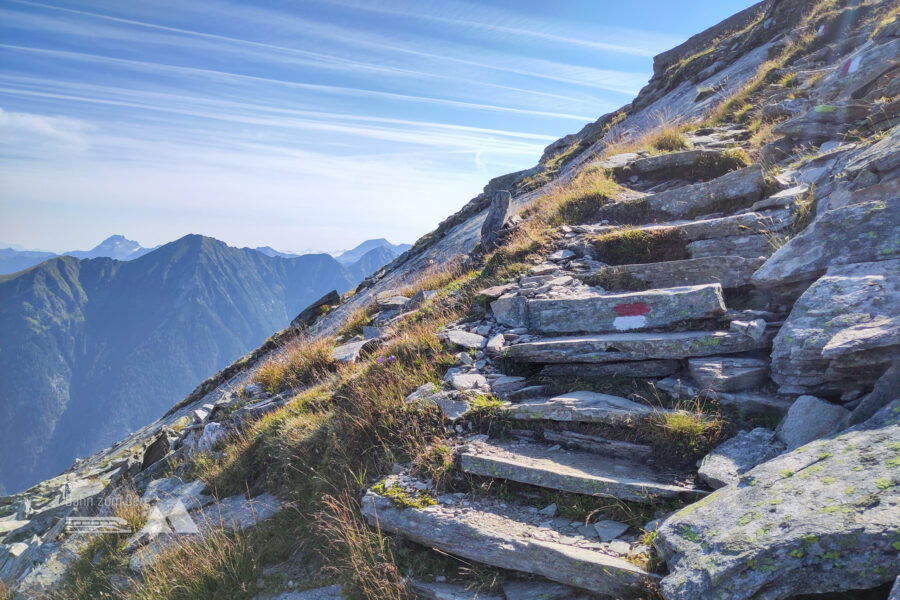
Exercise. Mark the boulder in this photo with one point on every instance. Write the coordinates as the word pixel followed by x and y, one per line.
pixel 856 233
pixel 819 519
pixel 159 448
pixel 213 433
pixel 726 463
pixel 842 333
pixel 728 374
pixel 808 419
pixel 495 220
pixel 885 390
pixel 623 312
pixel 312 312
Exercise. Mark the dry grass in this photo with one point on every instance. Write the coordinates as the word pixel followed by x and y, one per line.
pixel 889 17
pixel 218 564
pixel 666 135
pixel 300 364
pixel 127 505
pixel 5 592
pixel 364 556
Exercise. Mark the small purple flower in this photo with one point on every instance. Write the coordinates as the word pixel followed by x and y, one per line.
pixel 380 359
pixel 391 358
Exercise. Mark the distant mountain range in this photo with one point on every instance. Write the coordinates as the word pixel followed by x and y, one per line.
pixel 15 258
pixel 92 348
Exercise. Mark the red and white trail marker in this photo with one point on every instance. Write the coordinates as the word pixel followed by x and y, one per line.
pixel 630 316
pixel 851 66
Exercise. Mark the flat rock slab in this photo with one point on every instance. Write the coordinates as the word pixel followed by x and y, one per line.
pixel 353 351
pixel 506 536
pixel 644 368
pixel 598 445
pixel 726 463
pixel 463 339
pixel 583 406
pixel 569 471
pixel 729 271
pixel 706 229
pixel 728 373
pixel 615 347
pixel 236 513
pixel 747 404
pixel 447 591
pixel 673 160
pixel 623 312
pixel 856 233
pixel 820 519
pixel 332 592
pixel 733 190
pixel 537 590
pixel 843 331
pixel 748 246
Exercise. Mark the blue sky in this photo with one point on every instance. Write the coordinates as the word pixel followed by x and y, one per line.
pixel 304 124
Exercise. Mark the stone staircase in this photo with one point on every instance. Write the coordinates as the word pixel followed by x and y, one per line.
pixel 666 321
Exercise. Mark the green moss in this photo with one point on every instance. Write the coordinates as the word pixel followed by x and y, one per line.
pixel 828 480
pixel 402 498
pixel 637 246
pixel 884 484
pixel 787 473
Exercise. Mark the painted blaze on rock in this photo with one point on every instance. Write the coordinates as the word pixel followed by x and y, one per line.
pixel 626 312
pixel 822 518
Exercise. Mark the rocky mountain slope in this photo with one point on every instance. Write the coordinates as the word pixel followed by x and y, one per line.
pixel 660 364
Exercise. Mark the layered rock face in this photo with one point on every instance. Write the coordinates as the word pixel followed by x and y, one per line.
pixel 742 289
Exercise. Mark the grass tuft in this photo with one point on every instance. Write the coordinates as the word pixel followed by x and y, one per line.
pixel 300 364
pixel 364 557
pixel 640 246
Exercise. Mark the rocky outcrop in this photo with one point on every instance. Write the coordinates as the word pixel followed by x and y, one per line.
pixel 822 518
pixel 843 331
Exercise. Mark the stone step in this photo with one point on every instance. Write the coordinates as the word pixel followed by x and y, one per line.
pixel 729 271
pixel 745 403
pixel 509 536
pixel 583 407
pixel 747 246
pixel 727 193
pixel 644 368
pixel 615 347
pixel 622 312
pixel 570 471
pixel 597 445
pixel 707 229
pixel 729 373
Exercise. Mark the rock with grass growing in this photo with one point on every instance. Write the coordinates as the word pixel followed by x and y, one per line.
pixel 822 518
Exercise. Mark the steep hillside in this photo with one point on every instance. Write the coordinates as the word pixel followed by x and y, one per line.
pixel 91 349
pixel 660 364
